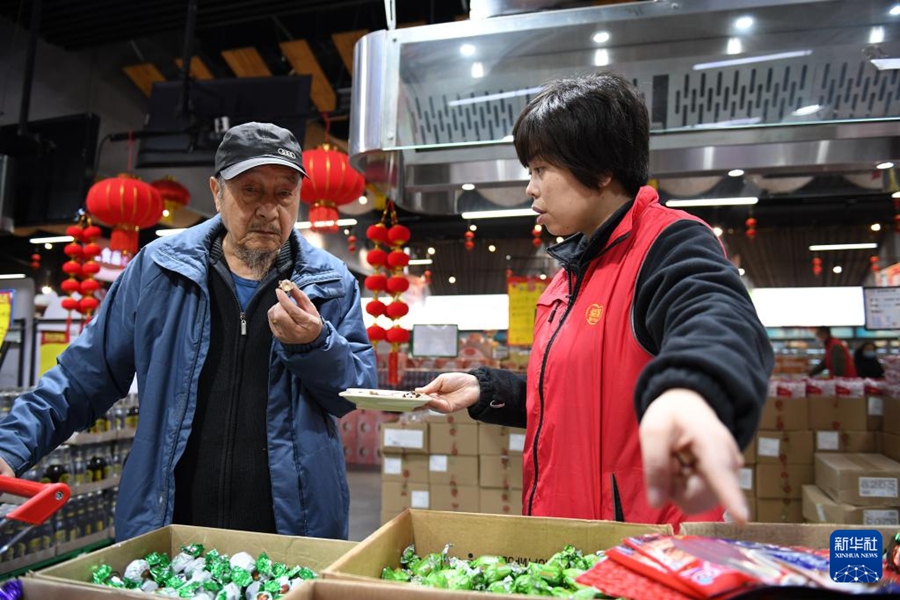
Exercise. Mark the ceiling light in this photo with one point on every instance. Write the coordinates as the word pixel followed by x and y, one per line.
pixel 885 64
pixel 339 223
pixel 468 186
pixel 421 261
pixel 166 212
pixel 346 232
pixel 601 37
pixel 735 172
pixel 875 227
pixel 741 271
pixel 895 195
pixel 601 57
pixel 473 227
pixel 431 251
pixel 895 11
pixel 543 276
pixel 507 138
pixel 807 110
pixel 743 23
pixel 167 232
pixel 363 200
pixel 885 165
pixel 499 214
pixel 734 46
pixel 731 62
pixel 477 70
pixel 13 276
pixel 451 279
pixel 742 201
pixel 498 96
pixel 876 35
pixel 837 269
pixel 53 239
pixel 538 227
pixel 827 247
pixel 467 50
pixel 492 248
pixel 48 246
pixel 46 290
pixel 559 239
pixel 717 231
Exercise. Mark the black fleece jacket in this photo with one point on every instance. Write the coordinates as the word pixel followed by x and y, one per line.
pixel 691 311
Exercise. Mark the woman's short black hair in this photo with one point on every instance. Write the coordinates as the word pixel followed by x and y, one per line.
pixel 594 126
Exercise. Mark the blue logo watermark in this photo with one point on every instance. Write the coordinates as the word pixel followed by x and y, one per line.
pixel 856 556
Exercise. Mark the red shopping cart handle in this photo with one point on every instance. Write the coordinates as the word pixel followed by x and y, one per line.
pixel 45 499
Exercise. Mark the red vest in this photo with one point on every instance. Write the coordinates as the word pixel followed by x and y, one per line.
pixel 849 365
pixel 584 364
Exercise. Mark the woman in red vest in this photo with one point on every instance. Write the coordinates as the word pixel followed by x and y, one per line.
pixel 837 357
pixel 649 365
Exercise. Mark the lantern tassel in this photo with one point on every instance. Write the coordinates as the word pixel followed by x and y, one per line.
pixel 393 370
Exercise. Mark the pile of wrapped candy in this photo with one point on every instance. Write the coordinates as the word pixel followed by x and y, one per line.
pixel 555 577
pixel 213 576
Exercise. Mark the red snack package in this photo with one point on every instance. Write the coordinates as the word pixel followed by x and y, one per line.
pixel 614 579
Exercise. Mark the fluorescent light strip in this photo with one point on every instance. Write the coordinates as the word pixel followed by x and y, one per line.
pixel 339 223
pixel 421 261
pixel 731 62
pixel 13 276
pixel 499 214
pixel 827 247
pixel 489 97
pixel 53 239
pixel 743 201
pixel 885 64
pixel 168 232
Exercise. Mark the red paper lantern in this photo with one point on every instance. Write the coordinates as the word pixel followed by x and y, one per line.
pixel 175 197
pixel 398 235
pixel 427 276
pixel 376 333
pixel 397 335
pixel 397 309
pixel 351 243
pixel 323 218
pixel 331 182
pixel 376 308
pixel 76 231
pixel 376 283
pixel 397 259
pixel 70 304
pixel 70 285
pixel 873 264
pixel 376 257
pixel 397 284
pixel 817 266
pixel 378 233
pixel 126 204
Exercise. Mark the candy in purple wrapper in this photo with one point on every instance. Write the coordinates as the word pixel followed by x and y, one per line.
pixel 11 590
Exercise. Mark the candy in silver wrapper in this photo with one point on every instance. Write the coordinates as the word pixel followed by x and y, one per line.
pixel 149 586
pixel 229 592
pixel 203 595
pixel 198 564
pixel 180 561
pixel 137 571
pixel 252 590
pixel 285 584
pixel 200 576
pixel 244 561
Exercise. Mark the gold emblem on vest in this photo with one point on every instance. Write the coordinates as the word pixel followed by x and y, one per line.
pixel 593 314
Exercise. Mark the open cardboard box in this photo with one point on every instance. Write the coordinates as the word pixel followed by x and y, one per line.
pixel 817 536
pixel 336 589
pixel 74 576
pixel 518 538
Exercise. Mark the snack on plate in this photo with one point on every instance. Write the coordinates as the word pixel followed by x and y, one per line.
pixel 286 285
pixel 214 576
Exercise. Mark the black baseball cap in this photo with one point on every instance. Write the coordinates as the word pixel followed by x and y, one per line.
pixel 253 144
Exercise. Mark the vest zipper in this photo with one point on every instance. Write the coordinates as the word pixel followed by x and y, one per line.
pixel 552 313
pixel 243 323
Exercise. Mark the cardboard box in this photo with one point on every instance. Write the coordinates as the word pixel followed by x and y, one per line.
pixel 782 481
pixel 404 438
pixel 72 577
pixel 501 471
pixel 412 468
pixel 461 416
pixel 398 495
pixel 890 446
pixel 453 438
pixel 785 414
pixel 834 414
pixel 495 439
pixel 845 441
pixel 875 409
pixel 387 515
pixel 750 453
pixel 497 501
pixel 858 479
pixel 819 508
pixel 458 470
pixel 770 510
pixel 751 509
pixel 517 538
pixel 891 418
pixel 810 536
pixel 461 498
pixel 784 447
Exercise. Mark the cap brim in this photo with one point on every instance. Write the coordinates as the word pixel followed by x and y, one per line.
pixel 245 165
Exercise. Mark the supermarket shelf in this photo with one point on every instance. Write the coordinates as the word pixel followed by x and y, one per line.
pixel 82 437
pixel 56 554
pixel 76 490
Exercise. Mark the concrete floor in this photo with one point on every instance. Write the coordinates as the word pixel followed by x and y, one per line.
pixel 365 501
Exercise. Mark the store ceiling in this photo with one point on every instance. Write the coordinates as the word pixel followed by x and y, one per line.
pixel 830 209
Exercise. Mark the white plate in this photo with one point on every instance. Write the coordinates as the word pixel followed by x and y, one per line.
pixel 389 400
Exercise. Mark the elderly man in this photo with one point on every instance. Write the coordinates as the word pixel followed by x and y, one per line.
pixel 238 370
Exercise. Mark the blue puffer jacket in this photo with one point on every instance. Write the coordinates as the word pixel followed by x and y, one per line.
pixel 155 322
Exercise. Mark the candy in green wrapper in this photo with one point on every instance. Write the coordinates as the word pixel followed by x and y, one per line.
pixel 229 592
pixel 486 561
pixel 160 573
pixel 408 556
pixel 194 550
pixel 212 586
pixel 497 572
pixel 271 586
pixel 101 574
pixel 158 559
pixel 279 570
pixel 264 564
pixel 188 590
pixel 305 573
pixel 501 587
pixel 389 574
pixel 241 577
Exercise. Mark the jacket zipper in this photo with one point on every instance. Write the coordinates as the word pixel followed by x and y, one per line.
pixel 570 302
pixel 243 323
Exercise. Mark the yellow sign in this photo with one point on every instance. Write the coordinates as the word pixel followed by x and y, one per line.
pixel 6 305
pixel 523 296
pixel 52 345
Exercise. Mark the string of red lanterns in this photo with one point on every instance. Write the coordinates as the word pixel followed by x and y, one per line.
pixel 536 236
pixel 751 228
pixel 817 266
